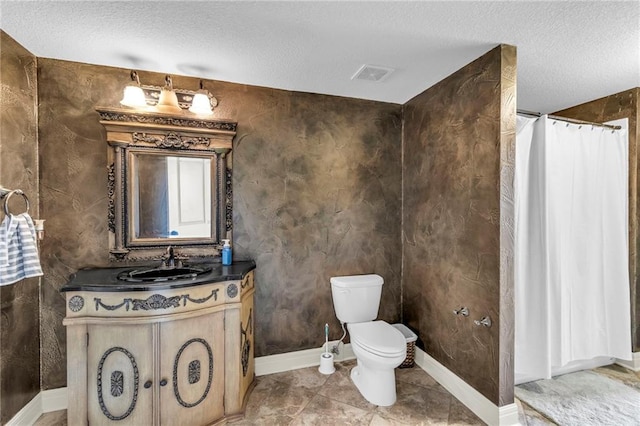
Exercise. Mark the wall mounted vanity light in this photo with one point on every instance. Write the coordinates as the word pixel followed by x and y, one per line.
pixel 201 103
pixel 167 99
pixel 133 93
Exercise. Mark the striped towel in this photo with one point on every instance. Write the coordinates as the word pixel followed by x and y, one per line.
pixel 18 249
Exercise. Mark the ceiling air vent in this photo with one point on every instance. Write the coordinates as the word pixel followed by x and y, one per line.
pixel 372 73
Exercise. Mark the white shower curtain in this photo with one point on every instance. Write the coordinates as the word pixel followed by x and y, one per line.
pixel 571 248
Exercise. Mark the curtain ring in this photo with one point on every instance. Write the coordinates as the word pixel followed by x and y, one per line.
pixel 9 194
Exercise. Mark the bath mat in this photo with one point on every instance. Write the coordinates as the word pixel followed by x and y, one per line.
pixel 583 398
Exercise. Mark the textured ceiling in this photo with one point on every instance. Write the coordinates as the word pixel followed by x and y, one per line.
pixel 568 52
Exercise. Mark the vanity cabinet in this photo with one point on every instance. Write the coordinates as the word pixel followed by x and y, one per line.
pixel 240 354
pixel 182 360
pixel 176 353
pixel 246 331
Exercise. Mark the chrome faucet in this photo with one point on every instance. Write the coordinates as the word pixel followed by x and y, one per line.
pixel 464 311
pixel 171 259
pixel 485 321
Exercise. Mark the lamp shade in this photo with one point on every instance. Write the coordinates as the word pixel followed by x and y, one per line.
pixel 133 97
pixel 168 102
pixel 201 104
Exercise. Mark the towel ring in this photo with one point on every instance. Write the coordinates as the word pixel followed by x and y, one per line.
pixel 9 194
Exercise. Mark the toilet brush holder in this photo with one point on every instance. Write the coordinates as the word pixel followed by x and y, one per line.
pixel 326 363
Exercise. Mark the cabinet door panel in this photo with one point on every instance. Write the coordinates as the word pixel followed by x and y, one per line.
pixel 120 362
pixel 192 363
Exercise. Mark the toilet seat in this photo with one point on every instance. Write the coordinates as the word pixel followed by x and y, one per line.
pixel 378 338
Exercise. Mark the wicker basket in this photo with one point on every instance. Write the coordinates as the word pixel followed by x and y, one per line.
pixel 410 360
pixel 411 338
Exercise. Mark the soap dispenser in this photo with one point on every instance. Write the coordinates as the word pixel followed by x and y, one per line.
pixel 226 253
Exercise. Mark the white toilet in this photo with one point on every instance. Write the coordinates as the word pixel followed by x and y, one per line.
pixel 378 346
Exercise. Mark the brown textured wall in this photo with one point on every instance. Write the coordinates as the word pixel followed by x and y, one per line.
pixel 72 191
pixel 19 321
pixel 506 321
pixel 317 182
pixel 623 105
pixel 455 135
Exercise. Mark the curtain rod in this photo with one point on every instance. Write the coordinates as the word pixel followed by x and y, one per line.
pixel 569 120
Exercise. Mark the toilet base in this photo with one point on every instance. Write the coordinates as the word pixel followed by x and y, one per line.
pixel 376 386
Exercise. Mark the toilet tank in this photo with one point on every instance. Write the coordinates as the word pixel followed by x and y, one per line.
pixel 356 298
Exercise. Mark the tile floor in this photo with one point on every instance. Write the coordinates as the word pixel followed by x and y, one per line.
pixel 306 397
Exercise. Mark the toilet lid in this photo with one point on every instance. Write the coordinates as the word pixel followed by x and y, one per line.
pixel 378 337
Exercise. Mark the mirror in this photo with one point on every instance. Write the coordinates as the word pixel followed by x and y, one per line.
pixel 170 197
pixel 169 183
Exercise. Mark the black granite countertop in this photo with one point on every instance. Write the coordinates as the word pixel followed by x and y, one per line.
pixel 106 279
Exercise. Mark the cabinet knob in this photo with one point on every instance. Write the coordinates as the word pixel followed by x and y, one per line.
pixel 163 382
pixel 147 384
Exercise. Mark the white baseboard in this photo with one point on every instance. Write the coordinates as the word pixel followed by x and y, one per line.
pixel 29 413
pixel 634 364
pixel 299 359
pixel 44 402
pixel 474 400
pixel 508 415
pixel 54 400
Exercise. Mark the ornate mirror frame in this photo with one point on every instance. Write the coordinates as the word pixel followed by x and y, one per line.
pixel 130 131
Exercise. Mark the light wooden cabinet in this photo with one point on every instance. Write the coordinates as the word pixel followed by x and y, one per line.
pixel 246 331
pixel 170 356
pixel 118 359
pixel 240 353
pixel 192 368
